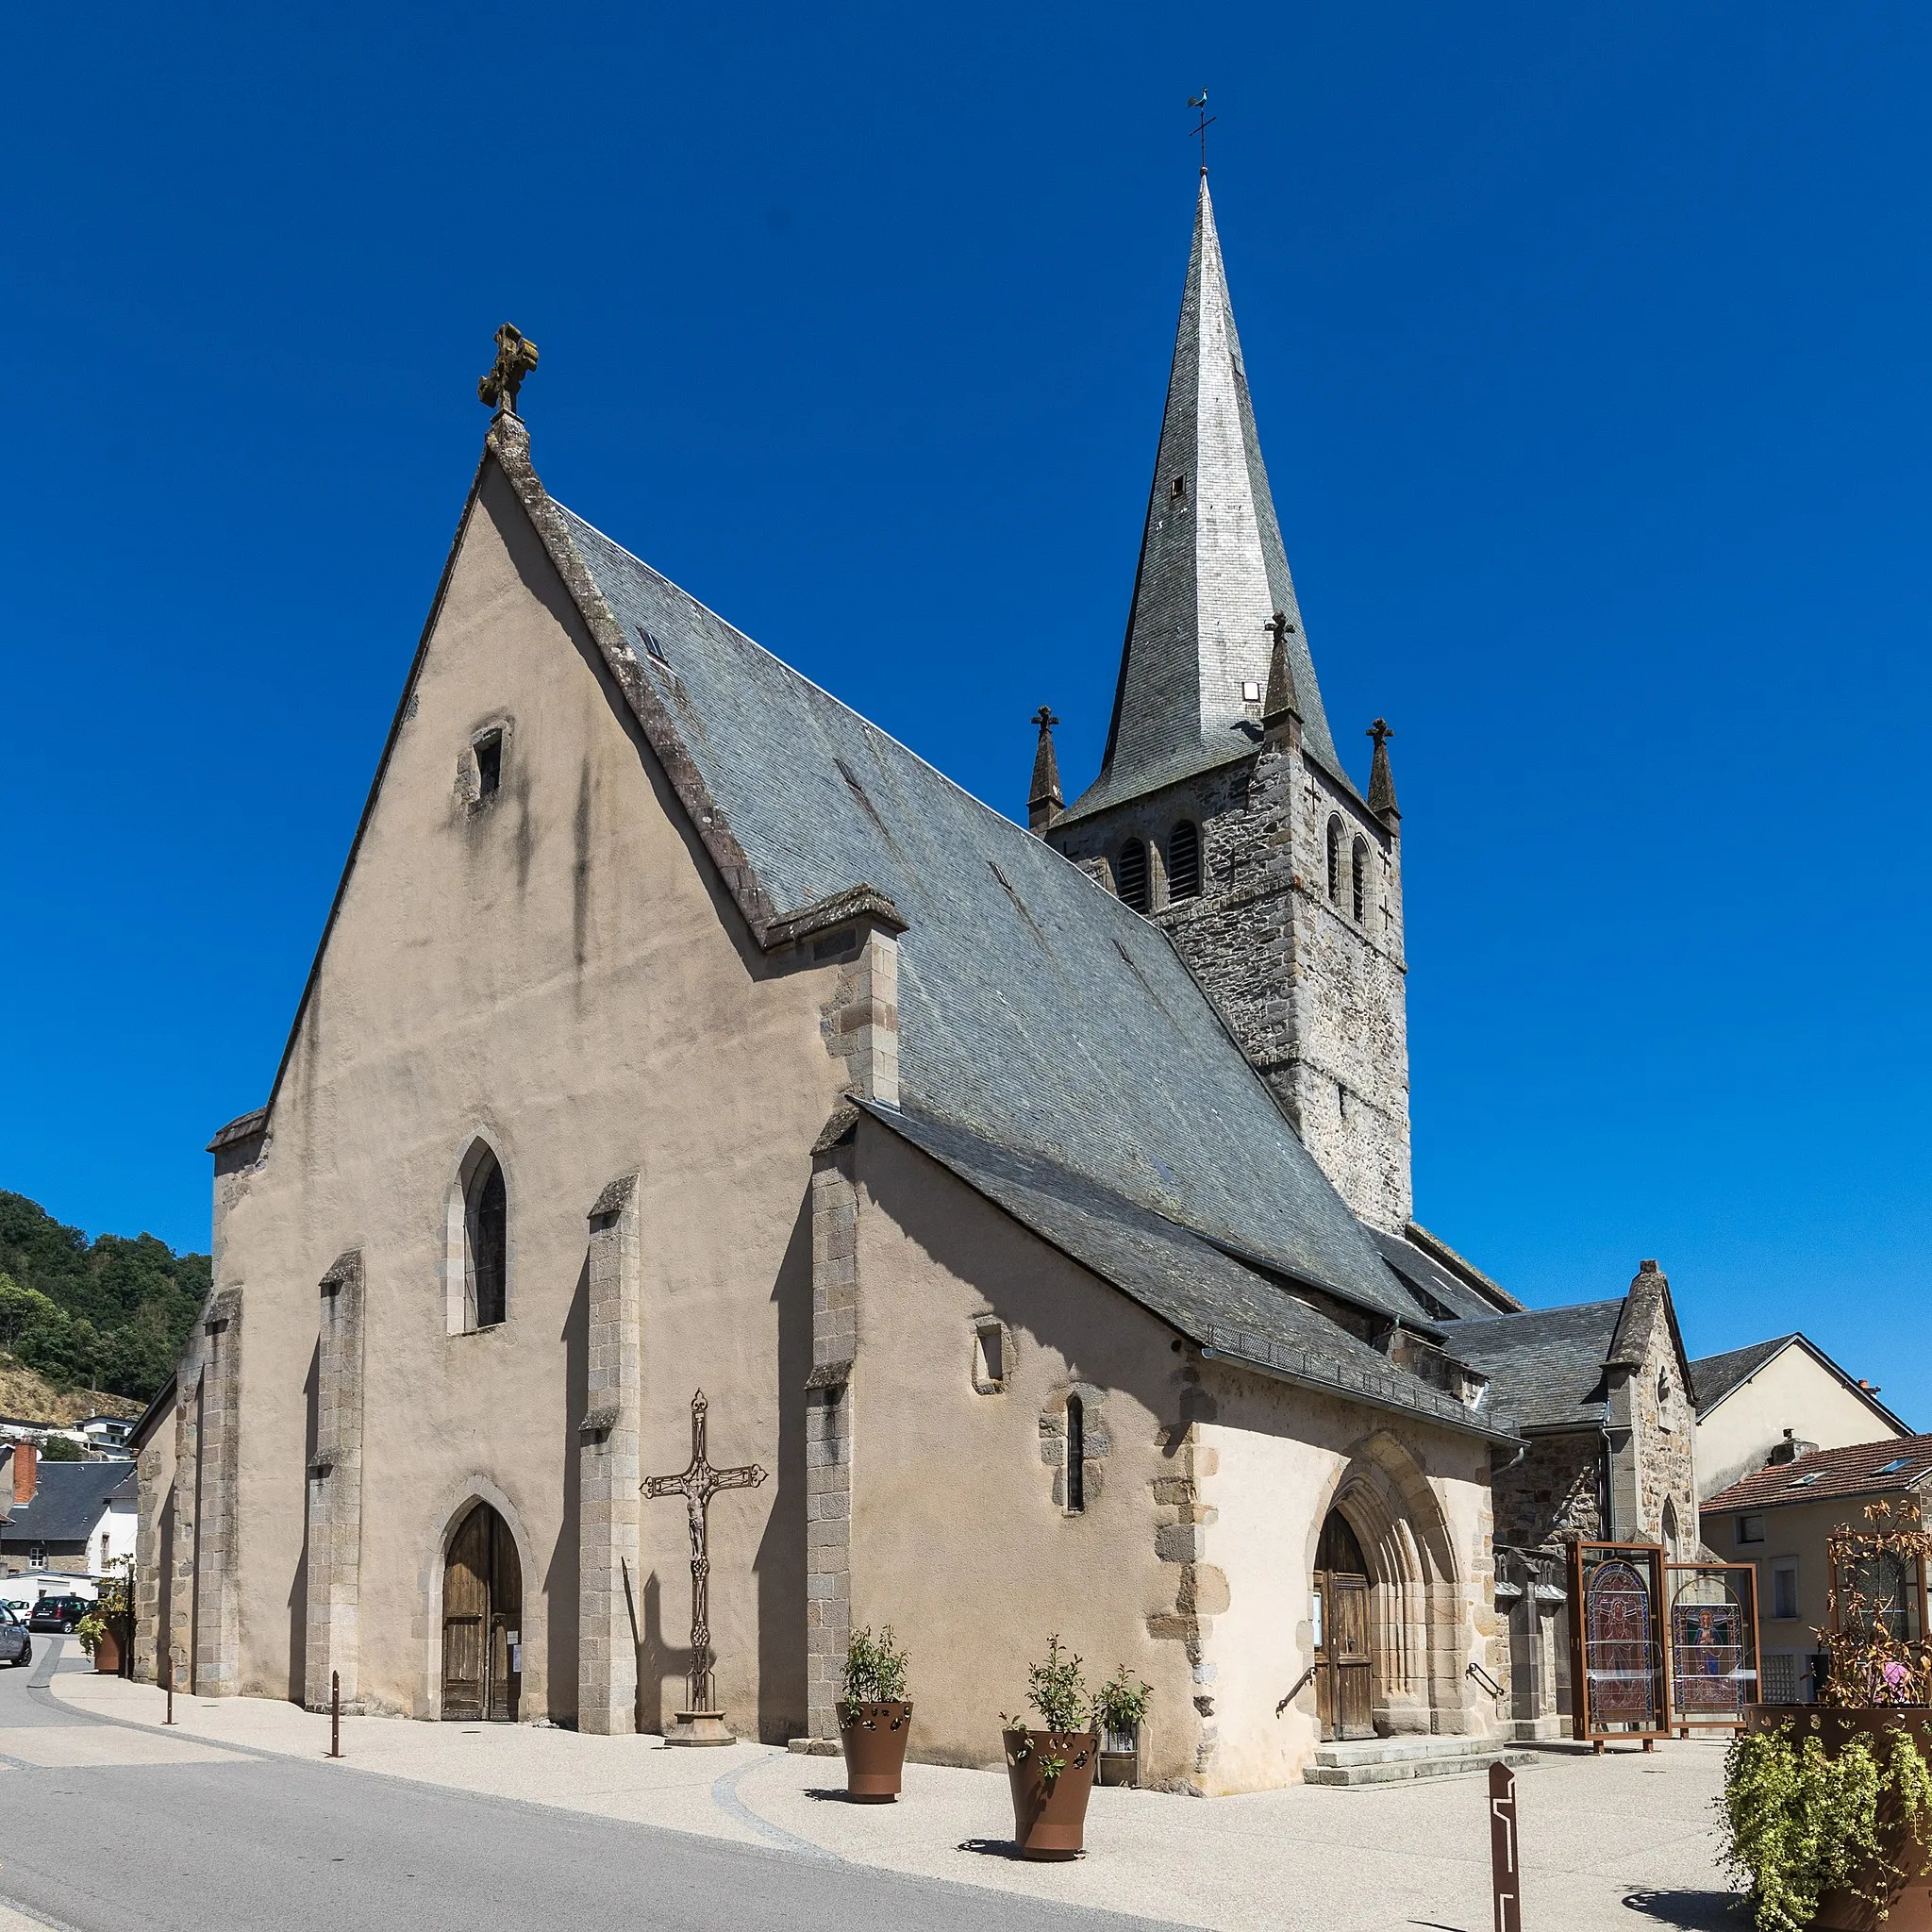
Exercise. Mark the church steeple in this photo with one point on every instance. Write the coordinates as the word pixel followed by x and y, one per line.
pixel 1213 575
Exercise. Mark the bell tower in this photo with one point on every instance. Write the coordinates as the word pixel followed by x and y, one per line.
pixel 1222 810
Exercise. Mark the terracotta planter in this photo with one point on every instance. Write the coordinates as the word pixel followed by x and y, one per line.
pixel 874 1737
pixel 1050 1815
pixel 106 1655
pixel 1839 1911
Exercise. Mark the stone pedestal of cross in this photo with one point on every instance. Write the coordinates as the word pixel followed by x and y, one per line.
pixel 704 1723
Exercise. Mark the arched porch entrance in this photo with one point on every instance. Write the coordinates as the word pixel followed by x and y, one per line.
pixel 482 1621
pixel 1390 1620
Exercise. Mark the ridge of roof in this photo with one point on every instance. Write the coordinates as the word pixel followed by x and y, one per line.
pixel 1212 571
pixel 1858 1469
pixel 1716 1377
pixel 68 1500
pixel 1438 1251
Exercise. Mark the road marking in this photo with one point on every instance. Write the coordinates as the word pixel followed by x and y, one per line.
pixel 724 1795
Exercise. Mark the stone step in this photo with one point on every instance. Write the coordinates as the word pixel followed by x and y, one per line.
pixel 1396 1760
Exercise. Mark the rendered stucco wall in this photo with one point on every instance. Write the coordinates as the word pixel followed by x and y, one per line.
pixel 1791 1392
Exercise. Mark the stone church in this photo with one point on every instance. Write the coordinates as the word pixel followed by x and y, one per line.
pixel 1032 1206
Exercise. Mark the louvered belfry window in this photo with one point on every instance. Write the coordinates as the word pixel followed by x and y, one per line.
pixel 1184 861
pixel 1133 874
pixel 1359 879
pixel 1335 861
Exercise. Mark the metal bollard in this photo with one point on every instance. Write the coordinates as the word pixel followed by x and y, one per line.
pixel 170 1718
pixel 335 1713
pixel 1506 1878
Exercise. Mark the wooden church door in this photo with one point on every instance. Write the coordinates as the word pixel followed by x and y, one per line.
pixel 1344 1669
pixel 482 1617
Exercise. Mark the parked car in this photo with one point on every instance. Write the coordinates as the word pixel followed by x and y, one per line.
pixel 16 1646
pixel 57 1613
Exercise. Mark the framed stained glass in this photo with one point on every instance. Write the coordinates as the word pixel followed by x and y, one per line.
pixel 1713 1623
pixel 1617 1641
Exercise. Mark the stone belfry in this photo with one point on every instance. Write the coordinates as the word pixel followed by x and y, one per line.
pixel 1222 810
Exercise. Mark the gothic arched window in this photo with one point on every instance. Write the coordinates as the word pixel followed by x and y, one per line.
pixel 1133 874
pixel 1077 1456
pixel 1184 861
pixel 1335 861
pixel 1358 879
pixel 486 1242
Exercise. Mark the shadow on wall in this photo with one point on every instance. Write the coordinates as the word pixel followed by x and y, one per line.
pixel 298 1586
pixel 659 1660
pixel 782 1558
pixel 562 1580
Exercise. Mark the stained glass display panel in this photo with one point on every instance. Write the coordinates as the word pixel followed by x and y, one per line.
pixel 1713 1641
pixel 1619 1596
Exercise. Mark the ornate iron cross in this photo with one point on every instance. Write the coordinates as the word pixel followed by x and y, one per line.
pixel 516 356
pixel 697 1484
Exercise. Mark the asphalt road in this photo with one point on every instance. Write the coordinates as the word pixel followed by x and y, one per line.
pixel 273 1842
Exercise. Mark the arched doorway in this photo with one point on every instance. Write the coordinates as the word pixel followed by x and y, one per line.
pixel 1344 1669
pixel 482 1621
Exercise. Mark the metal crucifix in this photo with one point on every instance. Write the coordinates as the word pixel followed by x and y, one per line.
pixel 697 1484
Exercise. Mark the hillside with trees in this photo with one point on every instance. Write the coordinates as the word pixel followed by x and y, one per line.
pixel 110 1314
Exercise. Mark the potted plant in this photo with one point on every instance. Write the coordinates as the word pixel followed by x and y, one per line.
pixel 1051 1771
pixel 1120 1709
pixel 1827 1808
pixel 98 1638
pixel 874 1720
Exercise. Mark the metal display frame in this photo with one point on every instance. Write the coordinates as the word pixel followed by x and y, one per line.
pixel 1747 1675
pixel 1584 1726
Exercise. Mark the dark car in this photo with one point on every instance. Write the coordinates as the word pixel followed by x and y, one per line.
pixel 57 1613
pixel 16 1646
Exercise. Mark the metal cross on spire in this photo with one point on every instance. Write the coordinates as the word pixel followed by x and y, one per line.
pixel 1207 121
pixel 697 1484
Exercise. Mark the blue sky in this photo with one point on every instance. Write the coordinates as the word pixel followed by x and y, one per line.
pixel 1591 357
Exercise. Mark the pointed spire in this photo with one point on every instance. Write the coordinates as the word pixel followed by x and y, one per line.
pixel 1212 570
pixel 1280 704
pixel 1045 803
pixel 1381 780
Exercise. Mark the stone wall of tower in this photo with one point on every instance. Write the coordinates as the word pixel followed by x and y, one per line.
pixel 1315 997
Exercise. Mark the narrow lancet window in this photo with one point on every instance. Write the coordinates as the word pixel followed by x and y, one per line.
pixel 1133 874
pixel 486 1225
pixel 1335 861
pixel 1184 863
pixel 1077 1456
pixel 1359 879
pixel 489 765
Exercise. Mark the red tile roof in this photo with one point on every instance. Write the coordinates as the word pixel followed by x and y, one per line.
pixel 1863 1469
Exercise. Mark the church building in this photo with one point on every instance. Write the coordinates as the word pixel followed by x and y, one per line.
pixel 1019 1218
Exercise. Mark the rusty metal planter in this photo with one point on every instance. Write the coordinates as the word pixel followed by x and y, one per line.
pixel 875 1738
pixel 107 1654
pixel 1050 1814
pixel 1843 1911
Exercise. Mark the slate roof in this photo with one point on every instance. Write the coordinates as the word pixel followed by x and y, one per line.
pixel 1036 1010
pixel 1546 1365
pixel 1205 1294
pixel 1212 571
pixel 1715 1377
pixel 1861 1470
pixel 1429 1281
pixel 69 1502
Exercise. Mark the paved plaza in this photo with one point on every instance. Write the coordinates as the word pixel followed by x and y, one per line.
pixel 1625 1841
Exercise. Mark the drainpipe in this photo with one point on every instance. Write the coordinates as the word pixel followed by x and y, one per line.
pixel 1609 1481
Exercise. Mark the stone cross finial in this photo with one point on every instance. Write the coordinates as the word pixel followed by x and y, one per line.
pixel 1044 801
pixel 1381 779
pixel 1279 704
pixel 516 356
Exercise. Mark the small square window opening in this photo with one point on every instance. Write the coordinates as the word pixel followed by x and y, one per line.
pixel 1749 1529
pixel 1251 692
pixel 488 764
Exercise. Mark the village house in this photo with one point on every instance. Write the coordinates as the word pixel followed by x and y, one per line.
pixel 1031 1205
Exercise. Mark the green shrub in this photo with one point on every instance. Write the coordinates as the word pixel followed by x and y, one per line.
pixel 1799 1822
pixel 874 1668
pixel 1121 1705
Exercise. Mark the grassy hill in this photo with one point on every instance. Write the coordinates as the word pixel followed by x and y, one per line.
pixel 110 1314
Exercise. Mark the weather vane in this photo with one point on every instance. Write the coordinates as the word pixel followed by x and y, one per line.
pixel 1207 121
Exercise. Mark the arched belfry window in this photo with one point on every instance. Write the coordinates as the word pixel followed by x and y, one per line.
pixel 1133 874
pixel 478 1245
pixel 1335 861
pixel 1184 861
pixel 1358 879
